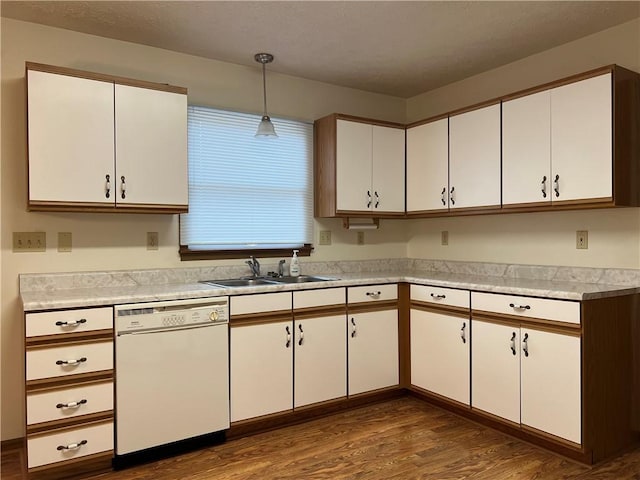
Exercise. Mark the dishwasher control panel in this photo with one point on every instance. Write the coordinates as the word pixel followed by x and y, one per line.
pixel 173 314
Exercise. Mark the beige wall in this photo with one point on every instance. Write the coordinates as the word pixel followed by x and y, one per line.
pixel 549 238
pixel 109 241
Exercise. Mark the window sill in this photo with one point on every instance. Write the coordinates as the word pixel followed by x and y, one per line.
pixel 187 254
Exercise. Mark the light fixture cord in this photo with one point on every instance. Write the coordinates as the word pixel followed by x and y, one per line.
pixel 264 87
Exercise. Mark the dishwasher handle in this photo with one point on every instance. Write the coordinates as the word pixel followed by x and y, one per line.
pixel 170 329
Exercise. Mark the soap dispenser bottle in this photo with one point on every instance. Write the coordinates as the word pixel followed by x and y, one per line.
pixel 294 268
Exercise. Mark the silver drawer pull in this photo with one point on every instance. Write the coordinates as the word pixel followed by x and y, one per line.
pixel 374 294
pixel 519 307
pixel 72 404
pixel 438 297
pixel 71 446
pixel 71 323
pixel 71 362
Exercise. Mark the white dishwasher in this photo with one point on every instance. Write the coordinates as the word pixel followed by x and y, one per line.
pixel 172 372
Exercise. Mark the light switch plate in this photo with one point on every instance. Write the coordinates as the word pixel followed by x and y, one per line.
pixel 325 237
pixel 582 239
pixel 360 238
pixel 29 241
pixel 444 237
pixel 152 240
pixel 64 241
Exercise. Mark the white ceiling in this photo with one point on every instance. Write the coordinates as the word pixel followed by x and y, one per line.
pixel 392 47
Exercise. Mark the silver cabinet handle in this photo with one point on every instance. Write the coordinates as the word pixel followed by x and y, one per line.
pixel 543 186
pixel 520 307
pixel 72 446
pixel 71 362
pixel 72 404
pixel 301 334
pixel 353 327
pixel 463 335
pixel 123 187
pixel 107 186
pixel 368 198
pixel 525 345
pixel 513 343
pixel 556 185
pixel 437 297
pixel 288 344
pixel 71 323
pixel 444 190
pixel 377 199
pixel 452 199
pixel 373 294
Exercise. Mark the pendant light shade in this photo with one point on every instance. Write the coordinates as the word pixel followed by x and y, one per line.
pixel 265 129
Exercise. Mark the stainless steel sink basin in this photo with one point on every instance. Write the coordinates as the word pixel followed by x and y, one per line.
pixel 301 279
pixel 239 282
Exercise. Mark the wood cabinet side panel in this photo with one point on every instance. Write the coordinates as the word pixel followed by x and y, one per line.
pixel 324 166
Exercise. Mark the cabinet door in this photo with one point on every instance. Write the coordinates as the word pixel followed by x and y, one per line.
pixel 495 376
pixel 71 139
pixel 526 149
pixel 581 133
pixel 428 166
pixel 151 146
pixel 353 166
pixel 550 382
pixel 388 169
pixel 261 369
pixel 474 158
pixel 440 354
pixel 373 351
pixel 320 359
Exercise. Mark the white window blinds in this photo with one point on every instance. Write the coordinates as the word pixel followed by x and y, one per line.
pixel 247 192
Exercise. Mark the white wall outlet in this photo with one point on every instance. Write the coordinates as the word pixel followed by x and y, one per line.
pixel 325 237
pixel 360 238
pixel 64 241
pixel 152 240
pixel 582 239
pixel 444 237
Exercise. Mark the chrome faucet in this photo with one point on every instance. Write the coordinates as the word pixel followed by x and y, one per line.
pixel 281 268
pixel 254 265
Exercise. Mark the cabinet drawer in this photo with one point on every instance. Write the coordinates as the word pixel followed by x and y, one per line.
pixel 266 302
pixel 440 296
pixel 90 357
pixel 68 321
pixel 83 400
pixel 546 309
pixel 372 293
pixel 319 298
pixel 49 448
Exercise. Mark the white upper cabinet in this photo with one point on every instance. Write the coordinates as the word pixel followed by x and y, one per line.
pixel 151 134
pixel 358 168
pixel 353 166
pixel 71 139
pixel 96 144
pixel 581 139
pixel 526 149
pixel 428 166
pixel 474 158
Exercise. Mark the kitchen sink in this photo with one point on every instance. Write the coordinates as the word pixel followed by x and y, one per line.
pixel 240 282
pixel 302 279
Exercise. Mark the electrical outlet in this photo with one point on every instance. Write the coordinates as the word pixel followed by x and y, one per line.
pixel 360 238
pixel 444 237
pixel 29 241
pixel 64 241
pixel 152 240
pixel 325 237
pixel 582 239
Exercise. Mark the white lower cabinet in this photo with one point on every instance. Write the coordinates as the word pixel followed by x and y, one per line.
pixel 440 354
pixel 528 376
pixel 373 350
pixel 261 369
pixel 320 359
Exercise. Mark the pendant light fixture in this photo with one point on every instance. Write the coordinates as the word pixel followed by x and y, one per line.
pixel 265 129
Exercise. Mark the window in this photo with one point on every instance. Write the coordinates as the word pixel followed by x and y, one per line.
pixel 247 195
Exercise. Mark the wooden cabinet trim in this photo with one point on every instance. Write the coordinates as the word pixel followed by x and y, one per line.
pixel 72 72
pixel 451 310
pixel 61 339
pixel 528 322
pixel 69 423
pixel 369 121
pixel 78 383
pixel 74 468
pixel 37 206
pixel 260 318
pixel 313 312
pixel 372 307
pixel 551 437
pixel 42 384
pixel 108 419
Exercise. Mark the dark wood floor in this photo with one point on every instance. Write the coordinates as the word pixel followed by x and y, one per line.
pixel 397 440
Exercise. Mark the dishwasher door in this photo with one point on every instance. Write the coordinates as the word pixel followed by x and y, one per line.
pixel 171 384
